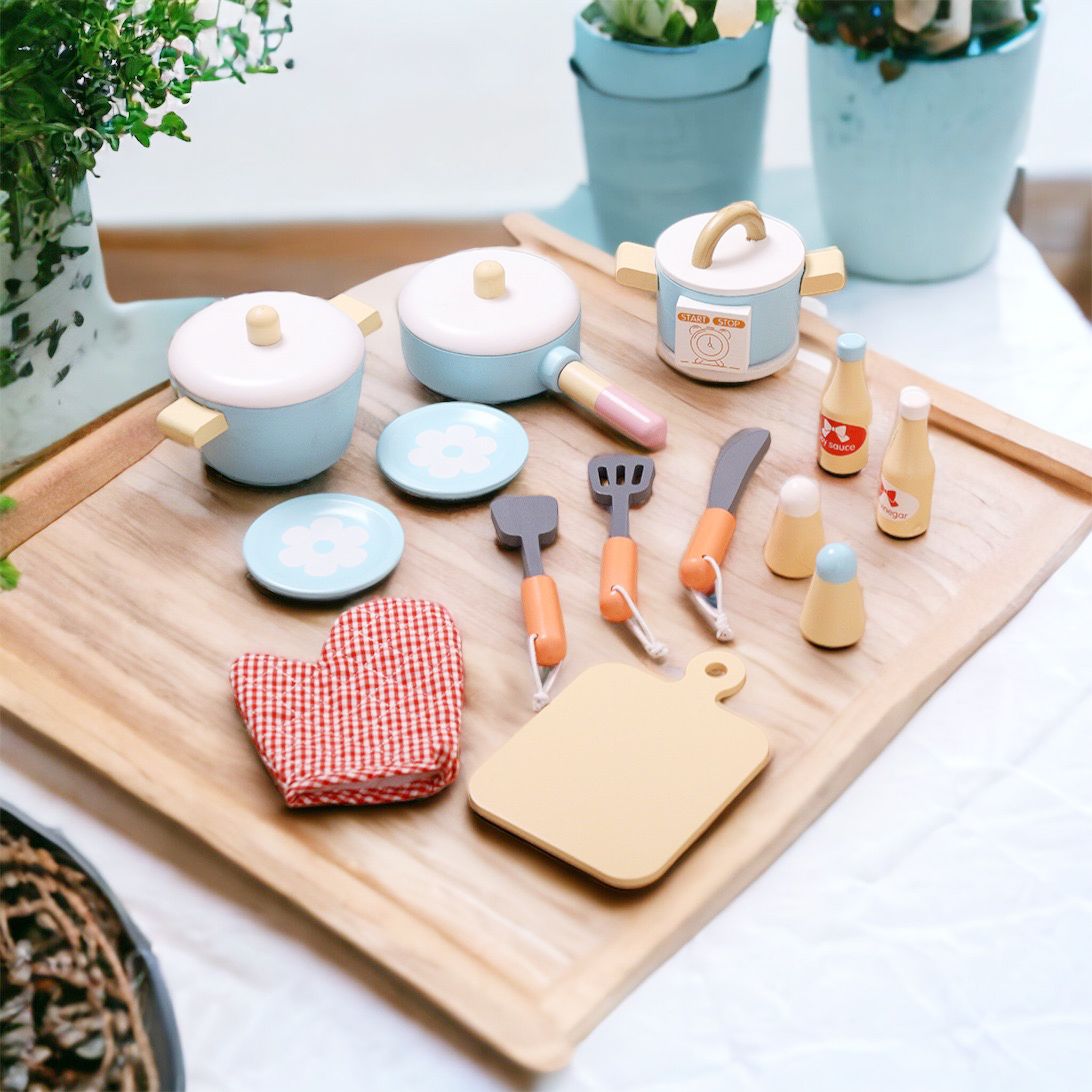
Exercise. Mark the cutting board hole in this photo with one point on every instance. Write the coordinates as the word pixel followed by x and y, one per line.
pixel 716 669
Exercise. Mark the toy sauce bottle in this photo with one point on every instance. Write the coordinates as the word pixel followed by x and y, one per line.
pixel 845 411
pixel 905 500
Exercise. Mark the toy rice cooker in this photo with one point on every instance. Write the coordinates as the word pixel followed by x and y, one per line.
pixel 268 383
pixel 728 288
pixel 498 324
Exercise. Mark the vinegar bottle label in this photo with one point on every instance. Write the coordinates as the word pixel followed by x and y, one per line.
pixel 897 505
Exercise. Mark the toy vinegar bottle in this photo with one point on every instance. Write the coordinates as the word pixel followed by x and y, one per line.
pixel 796 534
pixel 845 410
pixel 833 614
pixel 905 499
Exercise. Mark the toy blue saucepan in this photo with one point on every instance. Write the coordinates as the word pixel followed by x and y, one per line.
pixel 729 300
pixel 268 383
pixel 499 324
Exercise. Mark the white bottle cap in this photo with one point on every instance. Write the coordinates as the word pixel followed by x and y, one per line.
pixel 914 403
pixel 799 497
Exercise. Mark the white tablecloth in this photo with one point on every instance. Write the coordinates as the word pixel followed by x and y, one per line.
pixel 933 930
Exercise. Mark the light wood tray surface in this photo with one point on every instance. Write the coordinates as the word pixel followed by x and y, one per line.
pixel 135 600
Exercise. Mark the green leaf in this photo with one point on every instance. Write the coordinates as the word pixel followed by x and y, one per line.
pixel 9 575
pixel 703 9
pixel 675 28
pixel 704 32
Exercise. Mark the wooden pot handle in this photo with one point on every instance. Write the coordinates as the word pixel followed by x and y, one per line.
pixel 739 212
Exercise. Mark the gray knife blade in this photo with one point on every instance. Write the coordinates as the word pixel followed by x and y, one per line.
pixel 737 461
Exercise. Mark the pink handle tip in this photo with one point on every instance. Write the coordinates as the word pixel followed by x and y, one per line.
pixel 631 418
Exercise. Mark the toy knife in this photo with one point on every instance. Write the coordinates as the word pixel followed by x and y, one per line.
pixel 700 567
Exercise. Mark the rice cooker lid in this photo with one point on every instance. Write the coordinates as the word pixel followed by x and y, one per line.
pixel 740 266
pixel 462 303
pixel 213 357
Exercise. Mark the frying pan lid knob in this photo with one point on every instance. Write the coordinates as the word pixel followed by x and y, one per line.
pixel 489 280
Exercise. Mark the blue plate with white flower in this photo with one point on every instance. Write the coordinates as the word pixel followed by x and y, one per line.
pixel 323 546
pixel 452 451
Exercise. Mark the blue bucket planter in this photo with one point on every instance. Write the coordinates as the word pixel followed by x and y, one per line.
pixel 913 175
pixel 669 132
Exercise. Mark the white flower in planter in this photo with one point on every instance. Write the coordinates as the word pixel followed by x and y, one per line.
pixel 458 449
pixel 944 34
pixel 323 547
pixel 733 18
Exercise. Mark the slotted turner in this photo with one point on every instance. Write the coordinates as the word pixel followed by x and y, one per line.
pixel 619 483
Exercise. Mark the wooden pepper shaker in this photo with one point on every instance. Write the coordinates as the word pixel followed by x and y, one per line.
pixel 905 499
pixel 833 614
pixel 796 535
pixel 845 410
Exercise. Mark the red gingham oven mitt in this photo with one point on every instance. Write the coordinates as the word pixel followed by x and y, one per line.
pixel 374 721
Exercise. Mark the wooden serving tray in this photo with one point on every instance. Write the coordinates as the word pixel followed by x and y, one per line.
pixel 135 599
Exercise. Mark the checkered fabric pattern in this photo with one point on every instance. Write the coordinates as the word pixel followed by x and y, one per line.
pixel 374 721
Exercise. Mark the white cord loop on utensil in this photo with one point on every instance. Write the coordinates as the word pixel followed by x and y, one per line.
pixel 640 628
pixel 543 676
pixel 714 611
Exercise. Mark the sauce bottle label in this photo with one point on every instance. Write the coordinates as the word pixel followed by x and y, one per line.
pixel 710 338
pixel 894 504
pixel 838 438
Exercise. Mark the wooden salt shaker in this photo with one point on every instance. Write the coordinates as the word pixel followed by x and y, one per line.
pixel 833 614
pixel 796 534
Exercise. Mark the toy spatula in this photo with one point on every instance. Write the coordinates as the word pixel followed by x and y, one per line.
pixel 619 483
pixel 528 524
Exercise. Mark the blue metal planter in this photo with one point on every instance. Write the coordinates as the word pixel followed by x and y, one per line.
pixel 913 175
pixel 669 132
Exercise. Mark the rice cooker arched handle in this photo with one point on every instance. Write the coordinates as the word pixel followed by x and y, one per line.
pixel 739 212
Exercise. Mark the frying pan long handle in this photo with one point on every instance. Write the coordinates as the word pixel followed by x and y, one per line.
pixel 710 539
pixel 565 372
pixel 543 620
pixel 617 570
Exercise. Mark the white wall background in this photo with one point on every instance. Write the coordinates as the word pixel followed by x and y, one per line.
pixel 444 109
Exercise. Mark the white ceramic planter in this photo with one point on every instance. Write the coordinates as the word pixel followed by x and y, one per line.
pixel 913 175
pixel 76 353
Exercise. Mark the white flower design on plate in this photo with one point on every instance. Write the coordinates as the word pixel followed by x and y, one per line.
pixel 323 547
pixel 458 449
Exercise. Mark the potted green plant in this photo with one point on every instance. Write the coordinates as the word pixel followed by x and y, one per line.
pixel 77 76
pixel 919 109
pixel 672 98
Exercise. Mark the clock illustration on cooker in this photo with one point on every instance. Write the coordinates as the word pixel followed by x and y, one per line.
pixel 709 346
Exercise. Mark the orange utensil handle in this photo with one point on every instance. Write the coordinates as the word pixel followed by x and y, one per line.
pixel 542 619
pixel 619 569
pixel 710 539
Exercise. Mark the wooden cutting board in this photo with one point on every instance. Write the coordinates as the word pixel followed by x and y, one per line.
pixel 621 773
pixel 135 600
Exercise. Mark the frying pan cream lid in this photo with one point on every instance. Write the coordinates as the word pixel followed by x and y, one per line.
pixel 313 349
pixel 740 266
pixel 489 314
